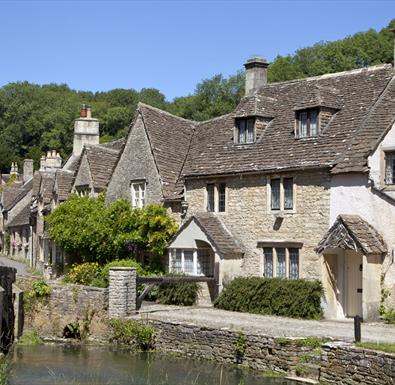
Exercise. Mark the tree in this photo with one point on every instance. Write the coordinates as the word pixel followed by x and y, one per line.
pixel 89 231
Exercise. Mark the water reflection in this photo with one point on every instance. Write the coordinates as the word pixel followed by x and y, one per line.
pixel 61 365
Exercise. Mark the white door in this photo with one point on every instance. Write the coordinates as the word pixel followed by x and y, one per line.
pixel 353 284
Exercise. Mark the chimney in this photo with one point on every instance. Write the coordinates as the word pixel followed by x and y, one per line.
pixel 256 74
pixel 14 169
pixel 86 131
pixel 51 162
pixel 27 170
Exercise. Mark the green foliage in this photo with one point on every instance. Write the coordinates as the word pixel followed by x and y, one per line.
pixel 389 316
pixel 38 292
pixel 134 332
pixel 30 338
pixel 181 293
pixel 240 347
pixel 5 371
pixel 274 296
pixel 83 274
pixel 90 231
pixel 72 330
pixel 41 289
pixel 384 347
pixel 311 342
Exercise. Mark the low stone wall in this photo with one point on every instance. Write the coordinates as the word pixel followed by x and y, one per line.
pixel 69 304
pixel 345 364
pixel 335 363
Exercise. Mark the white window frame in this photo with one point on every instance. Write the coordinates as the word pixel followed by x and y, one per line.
pixel 298 123
pixel 274 251
pixel 246 138
pixel 172 256
pixel 282 194
pixel 389 156
pixel 138 191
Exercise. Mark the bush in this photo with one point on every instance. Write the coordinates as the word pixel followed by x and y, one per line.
pixel 182 293
pixel 84 273
pixel 39 291
pixel 389 316
pixel 122 263
pixel 128 332
pixel 273 296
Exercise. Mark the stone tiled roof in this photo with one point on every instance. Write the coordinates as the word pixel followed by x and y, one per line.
pixel 116 144
pixel 353 232
pixel 170 138
pixel 47 186
pixel 379 120
pixel 63 183
pixel 353 93
pixel 102 161
pixel 22 218
pixel 14 193
pixel 36 183
pixel 216 232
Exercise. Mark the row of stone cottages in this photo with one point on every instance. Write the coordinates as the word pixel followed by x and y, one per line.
pixel 297 182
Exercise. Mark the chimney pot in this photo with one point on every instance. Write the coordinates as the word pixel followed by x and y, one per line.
pixel 89 112
pixel 256 74
pixel 83 111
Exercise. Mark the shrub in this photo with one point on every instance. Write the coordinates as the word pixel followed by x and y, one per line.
pixel 389 316
pixel 84 273
pixel 273 296
pixel 128 332
pixel 30 338
pixel 39 291
pixel 40 288
pixel 181 293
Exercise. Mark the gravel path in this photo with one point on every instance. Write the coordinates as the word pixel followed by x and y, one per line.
pixel 267 325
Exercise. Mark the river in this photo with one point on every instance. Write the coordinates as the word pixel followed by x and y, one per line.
pixel 61 365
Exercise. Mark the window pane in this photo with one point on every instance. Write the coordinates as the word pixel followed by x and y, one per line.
pixel 390 168
pixel 204 265
pixel 280 262
pixel 250 130
pixel 288 193
pixel 188 261
pixel 302 124
pixel 177 265
pixel 294 263
pixel 210 197
pixel 221 197
pixel 242 129
pixel 275 187
pixel 313 123
pixel 268 257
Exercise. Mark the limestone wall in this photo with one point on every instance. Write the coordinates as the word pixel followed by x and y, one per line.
pixel 249 218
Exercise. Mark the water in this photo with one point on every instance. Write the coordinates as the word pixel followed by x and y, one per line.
pixel 61 365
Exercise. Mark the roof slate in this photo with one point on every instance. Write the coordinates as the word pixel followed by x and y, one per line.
pixel 22 218
pixel 170 137
pixel 63 183
pixel 213 151
pixel 47 186
pixel 14 193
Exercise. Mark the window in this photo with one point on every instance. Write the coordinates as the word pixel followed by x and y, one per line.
pixel 281 262
pixel 216 197
pixel 281 194
pixel 210 197
pixel 307 123
pixel 138 194
pixel 390 167
pixel 245 131
pixel 191 261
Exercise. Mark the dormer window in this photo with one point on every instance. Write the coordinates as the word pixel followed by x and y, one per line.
pixel 307 124
pixel 245 131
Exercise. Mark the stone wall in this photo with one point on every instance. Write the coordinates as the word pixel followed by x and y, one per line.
pixel 249 218
pixel 122 292
pixel 7 317
pixel 68 304
pixel 344 364
pixel 335 363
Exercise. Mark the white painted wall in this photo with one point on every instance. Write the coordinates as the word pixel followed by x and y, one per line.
pixel 187 238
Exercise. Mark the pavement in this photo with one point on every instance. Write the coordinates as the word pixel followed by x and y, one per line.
pixel 267 325
pixel 20 267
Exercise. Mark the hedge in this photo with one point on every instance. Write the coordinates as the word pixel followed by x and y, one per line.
pixel 273 296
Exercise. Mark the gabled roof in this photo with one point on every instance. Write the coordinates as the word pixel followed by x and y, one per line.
pixel 63 183
pixel 353 233
pixel 22 218
pixel 47 186
pixel 169 137
pixel 354 93
pixel 15 193
pixel 216 232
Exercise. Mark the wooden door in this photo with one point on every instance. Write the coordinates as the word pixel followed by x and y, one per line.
pixel 354 284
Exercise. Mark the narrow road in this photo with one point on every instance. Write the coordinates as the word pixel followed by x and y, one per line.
pixel 267 325
pixel 19 266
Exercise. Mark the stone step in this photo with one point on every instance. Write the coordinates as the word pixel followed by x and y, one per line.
pixel 204 297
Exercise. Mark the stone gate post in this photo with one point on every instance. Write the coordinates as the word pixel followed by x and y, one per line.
pixel 122 292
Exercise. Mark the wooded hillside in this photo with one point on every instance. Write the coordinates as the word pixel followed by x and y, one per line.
pixel 34 118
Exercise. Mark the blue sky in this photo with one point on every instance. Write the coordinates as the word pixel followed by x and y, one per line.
pixel 169 45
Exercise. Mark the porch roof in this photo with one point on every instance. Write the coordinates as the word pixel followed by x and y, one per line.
pixel 353 233
pixel 218 235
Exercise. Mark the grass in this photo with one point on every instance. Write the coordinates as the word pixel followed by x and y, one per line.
pixel 312 342
pixel 383 347
pixel 5 370
pixel 30 338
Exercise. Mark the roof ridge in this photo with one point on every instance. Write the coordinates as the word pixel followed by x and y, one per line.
pixel 214 119
pixel 141 104
pixel 376 67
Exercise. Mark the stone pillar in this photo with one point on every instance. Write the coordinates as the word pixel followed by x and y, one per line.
pixel 122 292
